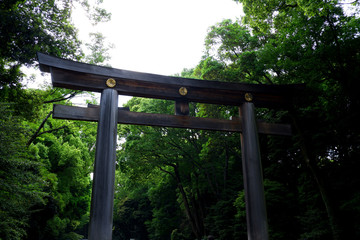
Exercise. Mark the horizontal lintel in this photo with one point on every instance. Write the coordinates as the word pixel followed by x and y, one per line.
pixel 164 120
pixel 86 77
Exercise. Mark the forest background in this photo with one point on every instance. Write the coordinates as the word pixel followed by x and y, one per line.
pixel 187 184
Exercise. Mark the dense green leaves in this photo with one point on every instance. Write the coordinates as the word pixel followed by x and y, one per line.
pixel 45 164
pixel 188 164
pixel 31 26
pixel 99 52
pixel 309 42
pixel 66 172
pixel 20 185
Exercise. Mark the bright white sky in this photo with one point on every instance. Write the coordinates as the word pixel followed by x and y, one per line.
pixel 158 36
pixel 154 36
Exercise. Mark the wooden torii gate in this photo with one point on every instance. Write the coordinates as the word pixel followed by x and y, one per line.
pixel 112 82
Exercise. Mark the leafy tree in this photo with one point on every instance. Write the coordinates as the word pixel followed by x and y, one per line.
pixel 67 167
pixel 31 26
pixel 307 41
pixel 64 151
pixel 166 213
pixel 45 193
pixel 99 52
pixel 20 185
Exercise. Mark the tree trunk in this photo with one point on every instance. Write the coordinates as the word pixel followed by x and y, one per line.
pixel 226 166
pixel 194 226
pixel 310 163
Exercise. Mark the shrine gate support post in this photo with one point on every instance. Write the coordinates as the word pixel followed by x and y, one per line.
pixel 102 200
pixel 256 216
pixel 111 82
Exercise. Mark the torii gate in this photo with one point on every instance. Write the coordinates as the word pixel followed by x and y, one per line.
pixel 112 82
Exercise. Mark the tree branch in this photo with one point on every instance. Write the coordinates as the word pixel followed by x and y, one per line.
pixel 73 94
pixel 171 174
pixel 284 5
pixel 51 130
pixel 268 79
pixel 343 3
pixel 33 137
pixel 38 133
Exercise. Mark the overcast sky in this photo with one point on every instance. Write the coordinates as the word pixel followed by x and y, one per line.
pixel 158 36
pixel 153 36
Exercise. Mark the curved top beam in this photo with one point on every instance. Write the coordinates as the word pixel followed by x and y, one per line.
pixel 87 77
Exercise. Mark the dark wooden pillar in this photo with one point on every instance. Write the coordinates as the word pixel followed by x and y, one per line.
pixel 102 201
pixel 253 180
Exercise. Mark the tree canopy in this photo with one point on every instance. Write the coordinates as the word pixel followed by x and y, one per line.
pixel 45 164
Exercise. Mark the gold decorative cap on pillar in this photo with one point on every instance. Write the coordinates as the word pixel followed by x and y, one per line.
pixel 111 82
pixel 249 97
pixel 183 91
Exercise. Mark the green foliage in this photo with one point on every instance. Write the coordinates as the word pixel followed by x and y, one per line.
pixel 310 42
pixel 166 214
pixel 20 185
pixel 65 151
pixel 234 51
pixel 131 208
pixel 45 172
pixel 95 13
pixel 31 26
pixel 66 171
pixel 183 170
pixel 99 53
pixel 45 164
pixel 228 40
